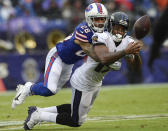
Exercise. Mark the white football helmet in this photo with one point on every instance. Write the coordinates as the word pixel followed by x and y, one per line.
pixel 96 10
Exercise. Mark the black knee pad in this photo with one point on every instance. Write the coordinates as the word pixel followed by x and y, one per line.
pixel 64 108
pixel 66 119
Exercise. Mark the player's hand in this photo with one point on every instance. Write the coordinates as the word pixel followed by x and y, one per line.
pixel 133 48
pixel 139 42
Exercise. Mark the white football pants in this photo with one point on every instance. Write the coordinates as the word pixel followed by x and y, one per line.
pixel 57 73
pixel 82 102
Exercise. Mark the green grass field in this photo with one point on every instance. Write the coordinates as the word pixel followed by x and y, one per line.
pixel 120 108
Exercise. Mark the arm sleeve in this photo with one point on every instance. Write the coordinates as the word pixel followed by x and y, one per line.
pixel 81 35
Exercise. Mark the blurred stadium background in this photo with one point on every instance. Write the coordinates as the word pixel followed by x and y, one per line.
pixel 29 28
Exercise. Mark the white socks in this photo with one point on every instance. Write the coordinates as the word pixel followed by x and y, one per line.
pixel 48 117
pixel 48 114
pixel 52 109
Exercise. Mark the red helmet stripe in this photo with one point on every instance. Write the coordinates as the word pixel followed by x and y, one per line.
pixel 99 7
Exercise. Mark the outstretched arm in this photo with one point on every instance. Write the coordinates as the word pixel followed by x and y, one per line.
pixel 107 57
pixel 134 61
pixel 99 52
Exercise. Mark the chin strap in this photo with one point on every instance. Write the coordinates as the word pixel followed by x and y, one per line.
pixel 97 29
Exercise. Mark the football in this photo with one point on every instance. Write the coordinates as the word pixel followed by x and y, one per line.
pixel 141 27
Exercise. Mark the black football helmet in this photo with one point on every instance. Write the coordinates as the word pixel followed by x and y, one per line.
pixel 119 18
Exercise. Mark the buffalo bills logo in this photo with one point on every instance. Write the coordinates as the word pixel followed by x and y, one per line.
pixel 89 8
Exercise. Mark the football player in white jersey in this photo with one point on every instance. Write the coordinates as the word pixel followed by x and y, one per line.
pixel 87 79
pixel 60 59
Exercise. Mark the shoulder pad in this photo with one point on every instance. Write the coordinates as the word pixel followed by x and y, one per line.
pixel 82 33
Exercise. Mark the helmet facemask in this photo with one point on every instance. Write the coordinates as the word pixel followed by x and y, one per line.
pixel 119 26
pixel 118 32
pixel 98 23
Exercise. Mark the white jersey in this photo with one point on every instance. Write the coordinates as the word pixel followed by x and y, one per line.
pixel 91 73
